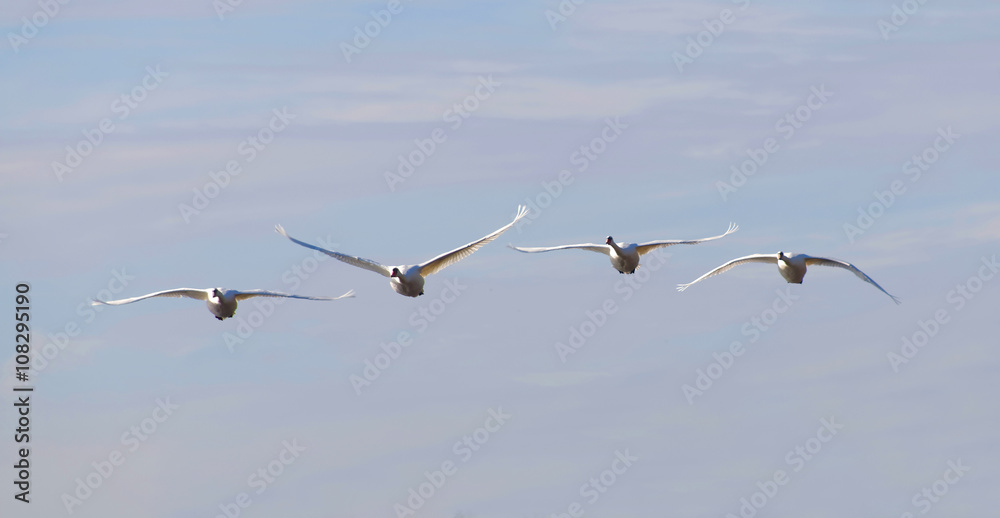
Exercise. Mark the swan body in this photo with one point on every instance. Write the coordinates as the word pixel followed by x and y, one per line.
pixel 625 256
pixel 221 302
pixel 791 267
pixel 408 280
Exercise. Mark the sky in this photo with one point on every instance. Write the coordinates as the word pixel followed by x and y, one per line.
pixel 147 146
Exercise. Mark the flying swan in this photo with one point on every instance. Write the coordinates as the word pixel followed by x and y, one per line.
pixel 791 267
pixel 221 302
pixel 625 256
pixel 409 280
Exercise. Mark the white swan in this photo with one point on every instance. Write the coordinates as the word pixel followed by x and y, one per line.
pixel 222 303
pixel 625 256
pixel 791 267
pixel 409 280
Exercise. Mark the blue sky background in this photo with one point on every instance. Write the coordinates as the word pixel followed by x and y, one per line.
pixel 494 347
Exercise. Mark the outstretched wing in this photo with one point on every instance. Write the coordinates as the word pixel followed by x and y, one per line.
pixel 822 261
pixel 653 245
pixel 602 249
pixel 367 264
pixel 444 260
pixel 756 258
pixel 190 293
pixel 240 295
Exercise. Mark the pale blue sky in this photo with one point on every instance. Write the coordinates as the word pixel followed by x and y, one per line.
pixel 322 178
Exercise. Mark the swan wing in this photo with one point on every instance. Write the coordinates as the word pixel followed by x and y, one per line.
pixel 755 258
pixel 822 261
pixel 241 295
pixel 190 293
pixel 367 264
pixel 446 259
pixel 644 248
pixel 603 249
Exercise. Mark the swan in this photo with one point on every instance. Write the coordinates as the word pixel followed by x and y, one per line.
pixel 409 280
pixel 221 302
pixel 625 256
pixel 791 267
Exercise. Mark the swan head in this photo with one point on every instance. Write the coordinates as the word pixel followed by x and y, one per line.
pixel 396 273
pixel 217 293
pixel 782 256
pixel 610 240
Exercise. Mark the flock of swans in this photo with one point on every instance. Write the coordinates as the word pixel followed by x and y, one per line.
pixel 408 280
